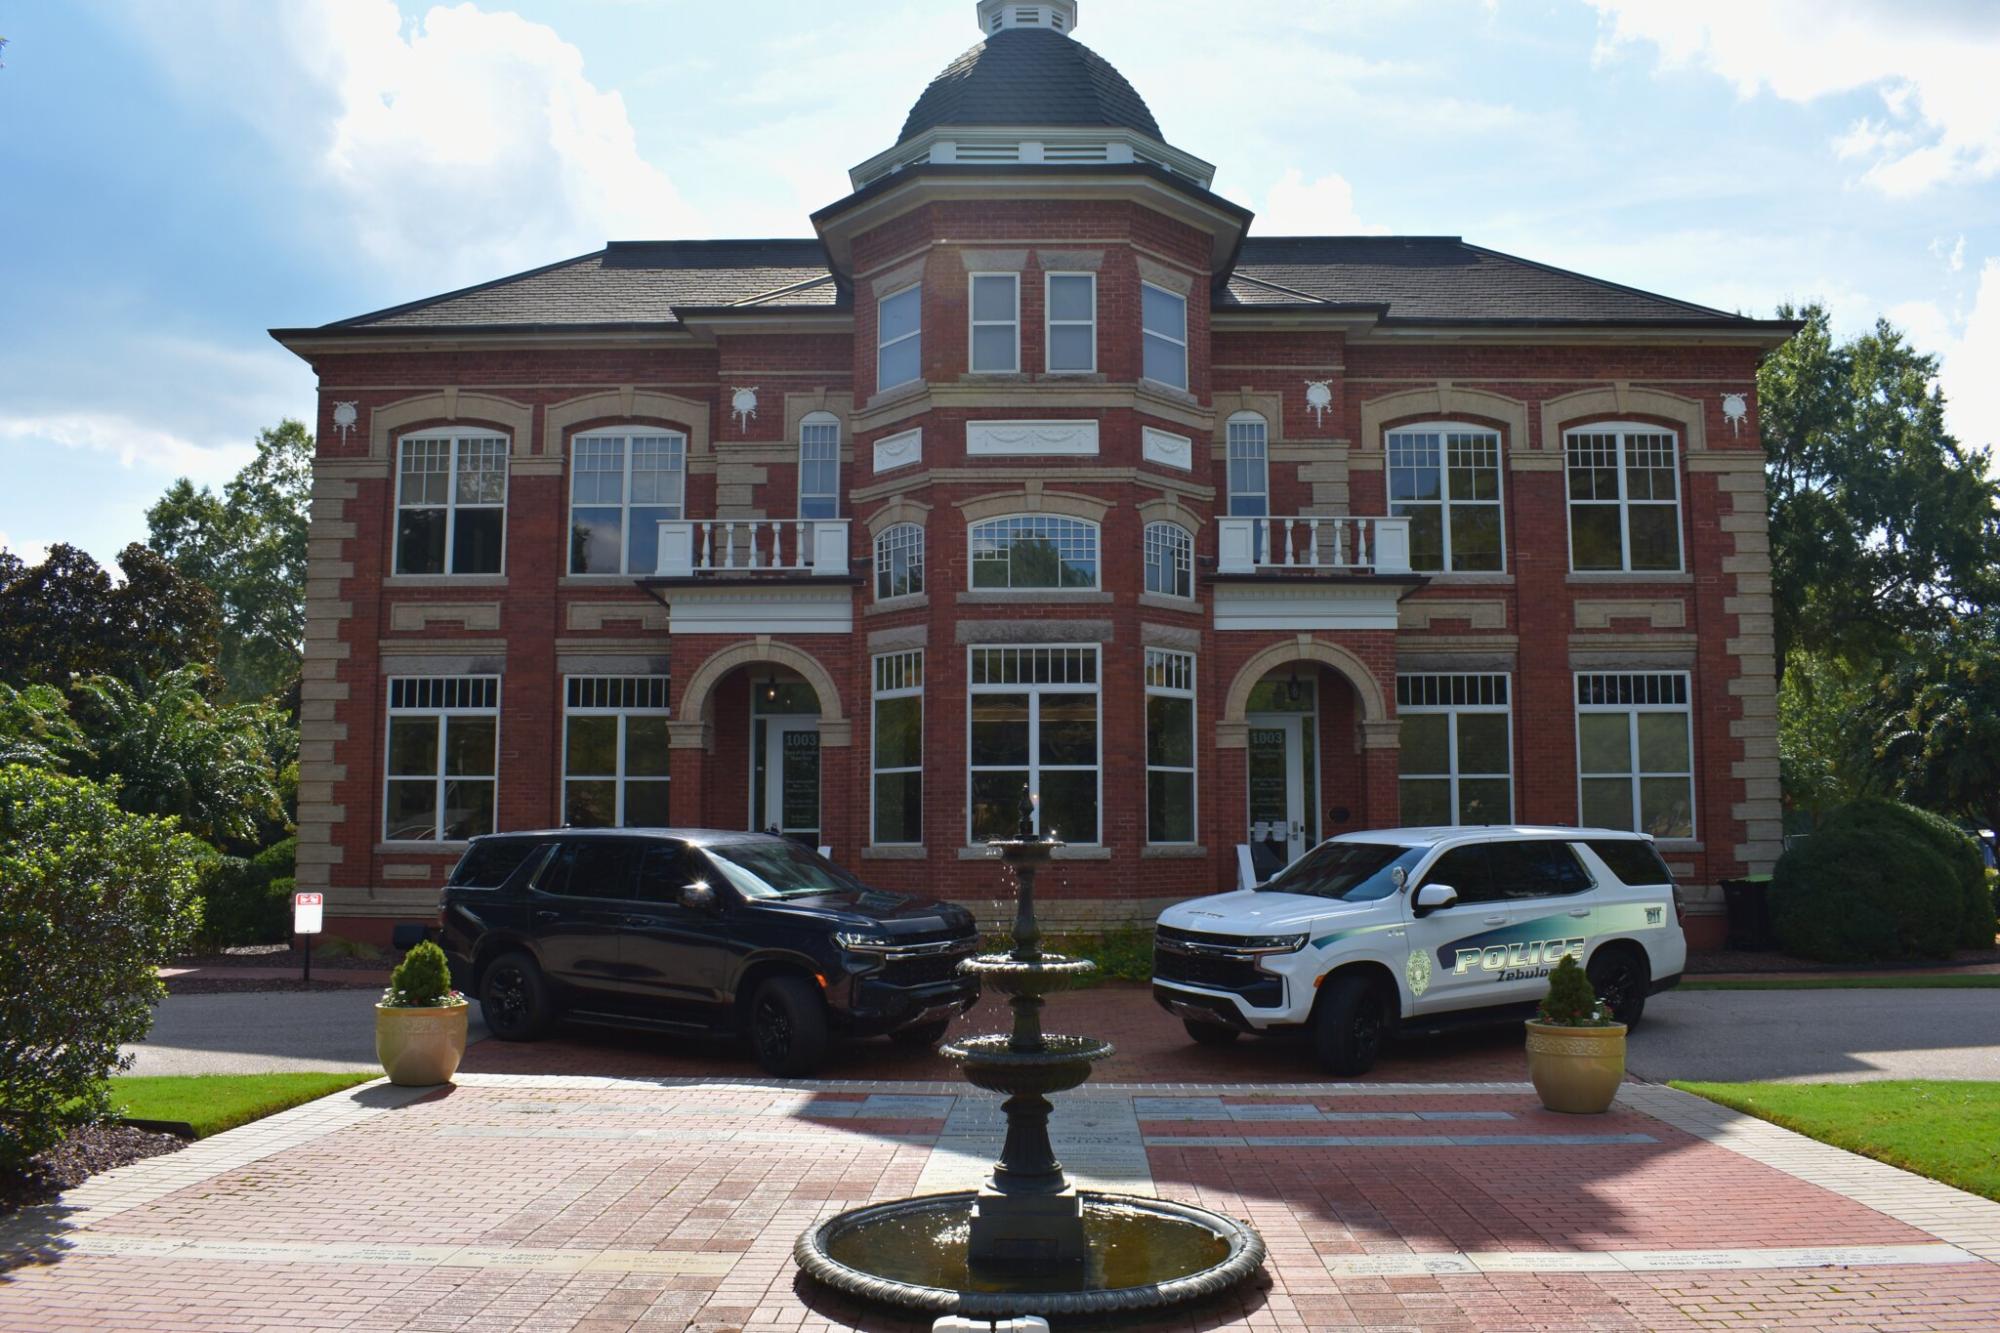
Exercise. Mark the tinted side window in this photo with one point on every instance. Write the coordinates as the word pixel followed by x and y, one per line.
pixel 1537 869
pixel 1633 860
pixel 590 870
pixel 491 862
pixel 665 871
pixel 1465 869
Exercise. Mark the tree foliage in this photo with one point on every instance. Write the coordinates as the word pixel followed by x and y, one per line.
pixel 1882 524
pixel 67 617
pixel 92 900
pixel 36 728
pixel 248 546
pixel 1825 755
pixel 1938 741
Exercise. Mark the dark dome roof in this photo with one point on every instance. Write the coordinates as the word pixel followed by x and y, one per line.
pixel 1029 76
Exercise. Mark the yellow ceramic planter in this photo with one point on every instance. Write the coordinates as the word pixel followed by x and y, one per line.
pixel 420 1047
pixel 1576 1070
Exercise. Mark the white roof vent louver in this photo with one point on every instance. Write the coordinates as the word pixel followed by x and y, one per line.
pixel 1054 15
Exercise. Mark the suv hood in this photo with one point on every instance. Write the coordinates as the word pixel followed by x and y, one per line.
pixel 1247 912
pixel 894 914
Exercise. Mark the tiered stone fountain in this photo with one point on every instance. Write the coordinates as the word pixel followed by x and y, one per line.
pixel 1028 1241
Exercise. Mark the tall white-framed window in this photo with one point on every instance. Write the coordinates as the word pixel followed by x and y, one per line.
pixel 622 481
pixel 1033 551
pixel 1170 749
pixel 1163 326
pixel 899 338
pixel 441 758
pixel 1169 560
pixel 615 751
pixel 1071 301
pixel 451 502
pixel 1457 755
pixel 899 561
pixel 1624 497
pixel 1033 724
pixel 994 336
pixel 1635 751
pixel 1249 446
pixel 1445 478
pixel 819 466
pixel 897 797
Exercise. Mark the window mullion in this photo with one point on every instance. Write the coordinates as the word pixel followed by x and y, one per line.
pixel 1624 517
pixel 451 507
pixel 437 812
pixel 625 452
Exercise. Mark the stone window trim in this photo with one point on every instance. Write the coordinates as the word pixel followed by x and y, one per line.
pixel 894 280
pixel 1177 281
pixel 1034 500
pixel 900 509
pixel 1444 401
pixel 1057 261
pixel 627 406
pixel 994 261
pixel 1624 402
pixel 449 409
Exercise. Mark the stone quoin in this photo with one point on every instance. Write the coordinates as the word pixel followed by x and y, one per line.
pixel 1035 465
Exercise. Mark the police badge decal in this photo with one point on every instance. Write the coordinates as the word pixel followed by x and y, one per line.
pixel 1418 970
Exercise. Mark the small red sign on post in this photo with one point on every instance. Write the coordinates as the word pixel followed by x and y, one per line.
pixel 308 911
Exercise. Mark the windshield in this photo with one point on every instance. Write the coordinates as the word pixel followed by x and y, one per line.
pixel 1353 872
pixel 779 869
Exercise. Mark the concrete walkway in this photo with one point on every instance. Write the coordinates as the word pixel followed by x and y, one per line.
pixel 260 1032
pixel 1818 1036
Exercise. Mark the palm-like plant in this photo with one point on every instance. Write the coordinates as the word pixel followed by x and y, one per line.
pixel 36 728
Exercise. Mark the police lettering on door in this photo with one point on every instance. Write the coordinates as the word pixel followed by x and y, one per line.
pixel 1519 961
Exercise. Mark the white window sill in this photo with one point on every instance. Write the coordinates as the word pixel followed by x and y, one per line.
pixel 421 848
pixel 599 580
pixel 1629 576
pixel 1498 578
pixel 1066 852
pixel 1161 601
pixel 1057 596
pixel 915 601
pixel 445 581
pixel 895 851
pixel 1173 851
pixel 894 393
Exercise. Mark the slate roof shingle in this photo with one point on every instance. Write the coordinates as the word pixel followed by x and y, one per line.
pixel 1030 76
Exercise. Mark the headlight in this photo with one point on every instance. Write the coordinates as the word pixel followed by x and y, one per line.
pixel 1273 943
pixel 855 941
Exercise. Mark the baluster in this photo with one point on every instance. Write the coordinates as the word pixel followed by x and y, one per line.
pixel 802 536
pixel 701 555
pixel 729 544
pixel 1267 542
pixel 756 555
pixel 1361 559
pixel 1312 542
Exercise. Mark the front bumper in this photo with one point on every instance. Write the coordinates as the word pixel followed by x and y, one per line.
pixel 875 1007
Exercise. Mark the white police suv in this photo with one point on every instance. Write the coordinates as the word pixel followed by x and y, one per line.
pixel 1421 929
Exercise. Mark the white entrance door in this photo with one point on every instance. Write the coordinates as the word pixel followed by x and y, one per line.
pixel 790 796
pixel 1277 810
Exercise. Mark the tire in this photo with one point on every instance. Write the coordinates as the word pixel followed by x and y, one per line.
pixel 922 1034
pixel 514 998
pixel 1621 978
pixel 1209 1034
pixel 1351 1026
pixel 787 1023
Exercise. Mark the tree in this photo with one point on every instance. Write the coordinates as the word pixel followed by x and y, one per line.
pixel 66 617
pixel 1939 739
pixel 36 728
pixel 92 901
pixel 173 751
pixel 1824 759
pixel 1882 524
pixel 248 546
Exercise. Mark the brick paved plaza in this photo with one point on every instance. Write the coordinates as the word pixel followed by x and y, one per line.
pixel 534 1195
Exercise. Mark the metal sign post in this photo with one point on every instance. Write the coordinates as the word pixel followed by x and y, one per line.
pixel 307 915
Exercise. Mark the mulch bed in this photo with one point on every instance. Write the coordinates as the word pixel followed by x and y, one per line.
pixel 283 955
pixel 88 1150
pixel 243 985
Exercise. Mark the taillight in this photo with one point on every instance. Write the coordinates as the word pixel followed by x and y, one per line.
pixel 1680 908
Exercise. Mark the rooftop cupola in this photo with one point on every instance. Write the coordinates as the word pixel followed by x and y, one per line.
pixel 1003 15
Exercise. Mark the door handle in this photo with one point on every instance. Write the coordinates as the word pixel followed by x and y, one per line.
pixel 544 917
pixel 1498 920
pixel 1579 911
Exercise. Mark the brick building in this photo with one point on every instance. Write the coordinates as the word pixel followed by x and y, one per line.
pixel 1033 465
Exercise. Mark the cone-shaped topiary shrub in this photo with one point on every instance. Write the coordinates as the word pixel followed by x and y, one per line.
pixel 1571 1003
pixel 1865 889
pixel 421 981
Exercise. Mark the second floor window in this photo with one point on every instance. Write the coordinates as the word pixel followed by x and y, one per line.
pixel 996 323
pixel 1034 551
pixel 622 483
pixel 1624 499
pixel 819 466
pixel 1446 480
pixel 899 338
pixel 1249 467
pixel 1163 315
pixel 451 503
pixel 1072 332
pixel 899 562
pixel 1169 560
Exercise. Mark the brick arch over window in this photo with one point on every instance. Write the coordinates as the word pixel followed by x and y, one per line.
pixel 1233 727
pixel 516 420
pixel 1622 400
pixel 1444 401
pixel 691 728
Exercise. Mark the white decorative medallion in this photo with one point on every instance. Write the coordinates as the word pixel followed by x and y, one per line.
pixel 1736 410
pixel 1167 449
pixel 743 403
pixel 894 451
pixel 344 417
pixel 1019 439
pixel 1319 397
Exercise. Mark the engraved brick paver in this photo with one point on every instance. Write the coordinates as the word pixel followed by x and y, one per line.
pixel 572 1201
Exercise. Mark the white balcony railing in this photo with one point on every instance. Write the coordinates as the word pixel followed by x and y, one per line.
pixel 775 546
pixel 1325 545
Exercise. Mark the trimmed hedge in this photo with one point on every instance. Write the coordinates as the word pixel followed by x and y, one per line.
pixel 1958 849
pixel 1868 887
pixel 248 901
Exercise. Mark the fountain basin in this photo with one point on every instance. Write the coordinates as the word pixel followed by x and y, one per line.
pixel 1041 976
pixel 991 1062
pixel 1143 1254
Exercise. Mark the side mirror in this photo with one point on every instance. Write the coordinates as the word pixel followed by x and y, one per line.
pixel 1435 898
pixel 698 897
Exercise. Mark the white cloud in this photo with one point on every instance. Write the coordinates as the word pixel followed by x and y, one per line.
pixel 135 445
pixel 462 145
pixel 1930 61
pixel 1969 349
pixel 1296 207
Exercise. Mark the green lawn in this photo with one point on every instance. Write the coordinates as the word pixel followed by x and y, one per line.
pixel 1949 1131
pixel 1911 981
pixel 215 1102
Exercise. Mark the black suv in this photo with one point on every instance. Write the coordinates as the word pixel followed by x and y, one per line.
pixel 693 930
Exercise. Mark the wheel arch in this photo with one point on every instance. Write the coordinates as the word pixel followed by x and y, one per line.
pixel 757 971
pixel 495 944
pixel 1376 972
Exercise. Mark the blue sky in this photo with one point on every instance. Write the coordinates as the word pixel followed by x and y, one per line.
pixel 176 178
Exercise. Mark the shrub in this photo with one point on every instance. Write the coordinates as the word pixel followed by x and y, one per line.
pixel 240 904
pixel 421 981
pixel 1957 848
pixel 278 861
pixel 1571 1002
pixel 1865 890
pixel 92 901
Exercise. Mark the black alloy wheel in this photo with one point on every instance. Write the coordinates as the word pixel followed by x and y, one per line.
pixel 1351 1025
pixel 788 1026
pixel 513 999
pixel 1620 978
